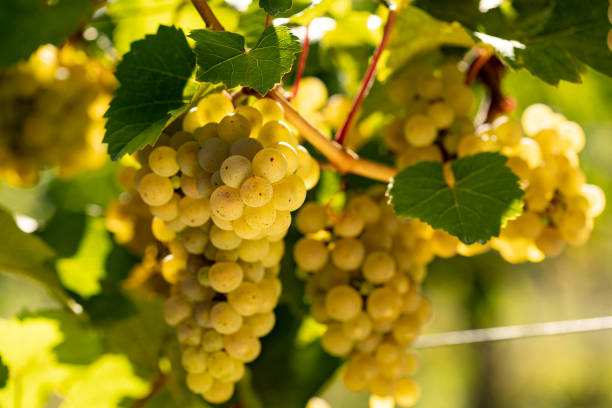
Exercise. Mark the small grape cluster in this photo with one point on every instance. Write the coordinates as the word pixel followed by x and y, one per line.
pixel 559 206
pixel 364 268
pixel 52 114
pixel 436 105
pixel 221 191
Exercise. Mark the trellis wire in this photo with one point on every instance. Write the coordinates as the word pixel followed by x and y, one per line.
pixel 513 332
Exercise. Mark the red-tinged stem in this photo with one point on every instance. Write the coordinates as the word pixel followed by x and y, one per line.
pixel 267 20
pixel 367 80
pixel 301 64
pixel 159 383
pixel 480 61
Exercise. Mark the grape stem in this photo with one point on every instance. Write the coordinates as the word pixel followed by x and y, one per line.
pixel 344 160
pixel 159 383
pixel 368 79
pixel 301 63
pixel 267 20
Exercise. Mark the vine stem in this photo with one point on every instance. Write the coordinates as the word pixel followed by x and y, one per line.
pixel 267 20
pixel 301 64
pixel 159 383
pixel 368 79
pixel 345 161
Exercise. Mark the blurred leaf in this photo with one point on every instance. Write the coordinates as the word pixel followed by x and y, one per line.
pixel 376 150
pixel 97 187
pixel 82 272
pixel 4 373
pixel 27 24
pixel 28 255
pixel 273 7
pixel 415 32
pixel 152 78
pixel 31 202
pixel 222 57
pixel 306 16
pixel 64 231
pixel 552 39
pixel 293 288
pixel 352 31
pixel 471 209
pixel 285 374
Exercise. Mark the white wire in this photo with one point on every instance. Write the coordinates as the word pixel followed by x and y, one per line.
pixel 513 332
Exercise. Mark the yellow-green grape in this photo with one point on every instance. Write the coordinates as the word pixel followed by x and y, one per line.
pixel 428 86
pixel 312 217
pixel 195 240
pixel 189 332
pixel 234 127
pixel 220 364
pixel 348 254
pixel 253 250
pixel 187 158
pixel 460 97
pixel 270 164
pixel 384 303
pixel 290 155
pixel 274 254
pixel 312 94
pixel 208 131
pixel 160 231
pixel 572 134
pixel 253 271
pixel 199 382
pixel 212 154
pixel 155 190
pixel 407 392
pixel 379 267
pixel 242 345
pixel 289 193
pixel 246 298
pixel 274 132
pixel 419 131
pixel 350 224
pixel 366 207
pixel 162 161
pixel 282 222
pixel 226 204
pixel 212 341
pixel 234 170
pixel 335 342
pixel 270 291
pixel 358 328
pixel 168 211
pixel 311 177
pixel 310 254
pixel 194 360
pixel 192 120
pixel 219 392
pixel 224 277
pixel 270 110
pixel 331 276
pixel 406 329
pixel 224 239
pixel 537 117
pixel 214 107
pixel 596 198
pixel 256 191
pixel 176 310
pixel 343 303
pixel 203 183
pixel 189 186
pixel 245 231
pixel 253 115
pixel 337 110
pixel 246 147
pixel 178 139
pixel 441 114
pixel 508 131
pixel 224 318
pixel 260 218
pixel 194 212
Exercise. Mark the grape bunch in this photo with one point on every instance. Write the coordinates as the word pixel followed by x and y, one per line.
pixel 52 114
pixel 364 270
pixel 436 104
pixel 559 205
pixel 221 190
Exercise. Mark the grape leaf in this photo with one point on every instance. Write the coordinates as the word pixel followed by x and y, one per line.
pixel 29 256
pixel 472 210
pixel 4 373
pixel 222 57
pixel 152 78
pixel 273 7
pixel 552 39
pixel 27 24
pixel 415 32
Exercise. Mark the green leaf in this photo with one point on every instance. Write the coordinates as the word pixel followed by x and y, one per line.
pixel 82 272
pixel 29 256
pixel 152 78
pixel 222 57
pixel 27 24
pixel 4 373
pixel 273 7
pixel 552 39
pixel 472 209
pixel 414 33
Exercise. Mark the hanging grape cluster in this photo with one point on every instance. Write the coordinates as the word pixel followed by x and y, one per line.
pixel 221 191
pixel 364 269
pixel 52 107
